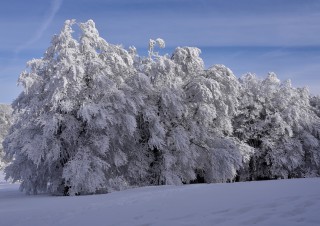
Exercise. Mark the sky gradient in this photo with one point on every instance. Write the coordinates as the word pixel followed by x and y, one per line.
pixel 255 36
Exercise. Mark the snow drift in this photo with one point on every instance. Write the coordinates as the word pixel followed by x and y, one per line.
pixel 293 202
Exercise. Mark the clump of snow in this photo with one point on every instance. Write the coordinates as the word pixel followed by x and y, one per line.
pixel 281 202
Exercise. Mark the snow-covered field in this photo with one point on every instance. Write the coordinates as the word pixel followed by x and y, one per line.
pixel 270 203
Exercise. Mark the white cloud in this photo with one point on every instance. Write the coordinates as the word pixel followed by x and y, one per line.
pixel 54 8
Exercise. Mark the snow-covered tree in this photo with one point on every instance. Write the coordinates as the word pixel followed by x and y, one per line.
pixel 315 103
pixel 5 122
pixel 278 122
pixel 70 116
pixel 192 119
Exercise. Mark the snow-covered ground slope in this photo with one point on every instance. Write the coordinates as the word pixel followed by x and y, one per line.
pixel 282 202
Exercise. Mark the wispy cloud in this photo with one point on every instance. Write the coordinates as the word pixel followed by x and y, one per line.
pixel 54 8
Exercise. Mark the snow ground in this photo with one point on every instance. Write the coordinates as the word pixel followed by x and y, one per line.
pixel 282 202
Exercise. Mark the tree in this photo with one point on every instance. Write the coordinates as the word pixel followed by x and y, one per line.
pixel 192 120
pixel 59 142
pixel 5 122
pixel 277 121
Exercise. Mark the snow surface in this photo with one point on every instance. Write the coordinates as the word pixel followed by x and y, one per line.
pixel 281 202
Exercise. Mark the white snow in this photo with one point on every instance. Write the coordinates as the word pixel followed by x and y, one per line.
pixel 281 202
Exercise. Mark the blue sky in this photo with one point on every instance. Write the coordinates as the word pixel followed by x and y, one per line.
pixel 255 36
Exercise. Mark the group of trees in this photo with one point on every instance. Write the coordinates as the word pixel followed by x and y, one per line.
pixel 94 117
pixel 282 124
